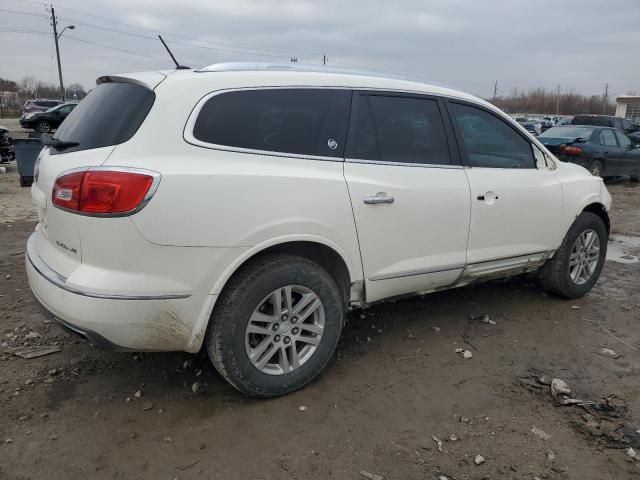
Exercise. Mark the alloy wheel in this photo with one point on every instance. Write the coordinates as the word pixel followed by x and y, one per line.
pixel 584 257
pixel 284 330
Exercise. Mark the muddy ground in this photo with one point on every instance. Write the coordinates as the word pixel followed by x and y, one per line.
pixel 395 384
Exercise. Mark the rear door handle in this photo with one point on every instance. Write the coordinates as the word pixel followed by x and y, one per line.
pixel 380 197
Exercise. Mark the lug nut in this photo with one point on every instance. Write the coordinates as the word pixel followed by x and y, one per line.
pixel 294 319
pixel 287 340
pixel 277 338
pixel 275 327
pixel 284 317
pixel 295 330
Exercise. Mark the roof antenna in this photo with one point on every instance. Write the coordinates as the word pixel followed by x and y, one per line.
pixel 178 66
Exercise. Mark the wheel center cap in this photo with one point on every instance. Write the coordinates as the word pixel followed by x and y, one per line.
pixel 285 328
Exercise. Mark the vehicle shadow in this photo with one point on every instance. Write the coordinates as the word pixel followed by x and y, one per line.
pixel 176 376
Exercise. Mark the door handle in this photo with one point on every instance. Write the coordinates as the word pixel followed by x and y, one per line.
pixel 380 197
pixel 488 197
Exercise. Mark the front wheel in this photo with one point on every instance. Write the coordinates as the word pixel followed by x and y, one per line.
pixel 577 264
pixel 276 325
pixel 42 126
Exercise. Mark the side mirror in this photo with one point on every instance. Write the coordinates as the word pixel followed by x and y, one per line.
pixel 46 139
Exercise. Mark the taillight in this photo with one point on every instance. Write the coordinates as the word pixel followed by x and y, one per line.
pixel 571 151
pixel 103 192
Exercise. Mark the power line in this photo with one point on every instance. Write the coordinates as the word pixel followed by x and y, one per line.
pixel 22 12
pixel 122 50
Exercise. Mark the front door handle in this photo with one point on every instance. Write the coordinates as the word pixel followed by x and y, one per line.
pixel 380 197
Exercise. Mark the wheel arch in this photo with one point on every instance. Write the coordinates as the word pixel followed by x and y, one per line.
pixel 324 252
pixel 599 209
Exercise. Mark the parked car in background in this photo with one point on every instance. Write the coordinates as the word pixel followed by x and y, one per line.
pixel 546 124
pixel 39 105
pixel 43 122
pixel 564 121
pixel 135 250
pixel 7 152
pixel 604 151
pixel 619 123
pixel 533 126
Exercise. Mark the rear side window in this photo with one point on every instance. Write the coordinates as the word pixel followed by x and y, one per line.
pixel 608 139
pixel 399 130
pixel 489 141
pixel 623 140
pixel 109 115
pixel 294 121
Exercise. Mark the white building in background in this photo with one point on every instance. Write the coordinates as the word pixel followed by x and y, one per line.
pixel 628 107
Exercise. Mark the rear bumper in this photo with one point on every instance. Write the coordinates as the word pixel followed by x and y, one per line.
pixel 150 323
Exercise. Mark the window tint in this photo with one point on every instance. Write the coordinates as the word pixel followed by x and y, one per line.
pixel 623 140
pixel 298 121
pixel 607 138
pixel 110 114
pixel 399 129
pixel 489 141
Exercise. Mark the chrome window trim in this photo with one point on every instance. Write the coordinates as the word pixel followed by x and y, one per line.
pixel 105 168
pixel 403 164
pixel 190 138
pixel 60 281
pixel 193 116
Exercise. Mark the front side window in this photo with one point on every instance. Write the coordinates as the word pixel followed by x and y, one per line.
pixel 623 140
pixel 294 121
pixel 490 142
pixel 399 130
pixel 608 139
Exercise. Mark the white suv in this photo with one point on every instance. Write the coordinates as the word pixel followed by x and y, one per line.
pixel 247 207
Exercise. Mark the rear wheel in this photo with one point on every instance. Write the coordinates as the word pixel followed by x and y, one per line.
pixel 596 169
pixel 42 126
pixel 276 325
pixel 578 262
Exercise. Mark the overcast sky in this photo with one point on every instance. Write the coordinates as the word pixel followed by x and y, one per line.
pixel 465 44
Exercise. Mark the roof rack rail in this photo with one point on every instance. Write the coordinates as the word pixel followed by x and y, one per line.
pixel 298 67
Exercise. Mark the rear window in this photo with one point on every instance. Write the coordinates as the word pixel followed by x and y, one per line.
pixel 109 115
pixel 294 121
pixel 568 132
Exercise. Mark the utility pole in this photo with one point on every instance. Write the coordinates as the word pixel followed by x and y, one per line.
pixel 605 99
pixel 54 23
pixel 495 91
pixel 558 100
pixel 324 59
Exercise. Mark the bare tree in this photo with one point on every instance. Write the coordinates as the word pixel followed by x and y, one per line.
pixel 28 86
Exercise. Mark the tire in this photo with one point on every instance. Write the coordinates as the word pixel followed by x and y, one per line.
pixel 42 127
pixel 596 168
pixel 252 288
pixel 556 275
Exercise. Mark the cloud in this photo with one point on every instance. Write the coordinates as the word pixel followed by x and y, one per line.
pixel 580 44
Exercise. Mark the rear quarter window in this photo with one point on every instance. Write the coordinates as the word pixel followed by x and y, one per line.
pixel 111 114
pixel 292 121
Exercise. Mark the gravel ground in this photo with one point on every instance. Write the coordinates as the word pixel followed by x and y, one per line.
pixel 396 388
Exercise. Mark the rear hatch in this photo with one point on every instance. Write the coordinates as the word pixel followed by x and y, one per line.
pixel 108 116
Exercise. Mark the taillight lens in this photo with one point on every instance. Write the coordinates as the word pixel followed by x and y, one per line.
pixel 571 151
pixel 102 191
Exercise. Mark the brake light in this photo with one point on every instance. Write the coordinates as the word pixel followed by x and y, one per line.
pixel 571 151
pixel 102 191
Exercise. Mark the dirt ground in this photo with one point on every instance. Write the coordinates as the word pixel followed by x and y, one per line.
pixel 395 387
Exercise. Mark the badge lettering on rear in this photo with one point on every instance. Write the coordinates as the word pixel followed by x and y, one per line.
pixel 66 247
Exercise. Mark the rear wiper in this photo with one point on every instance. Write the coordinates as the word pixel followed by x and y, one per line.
pixel 57 143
